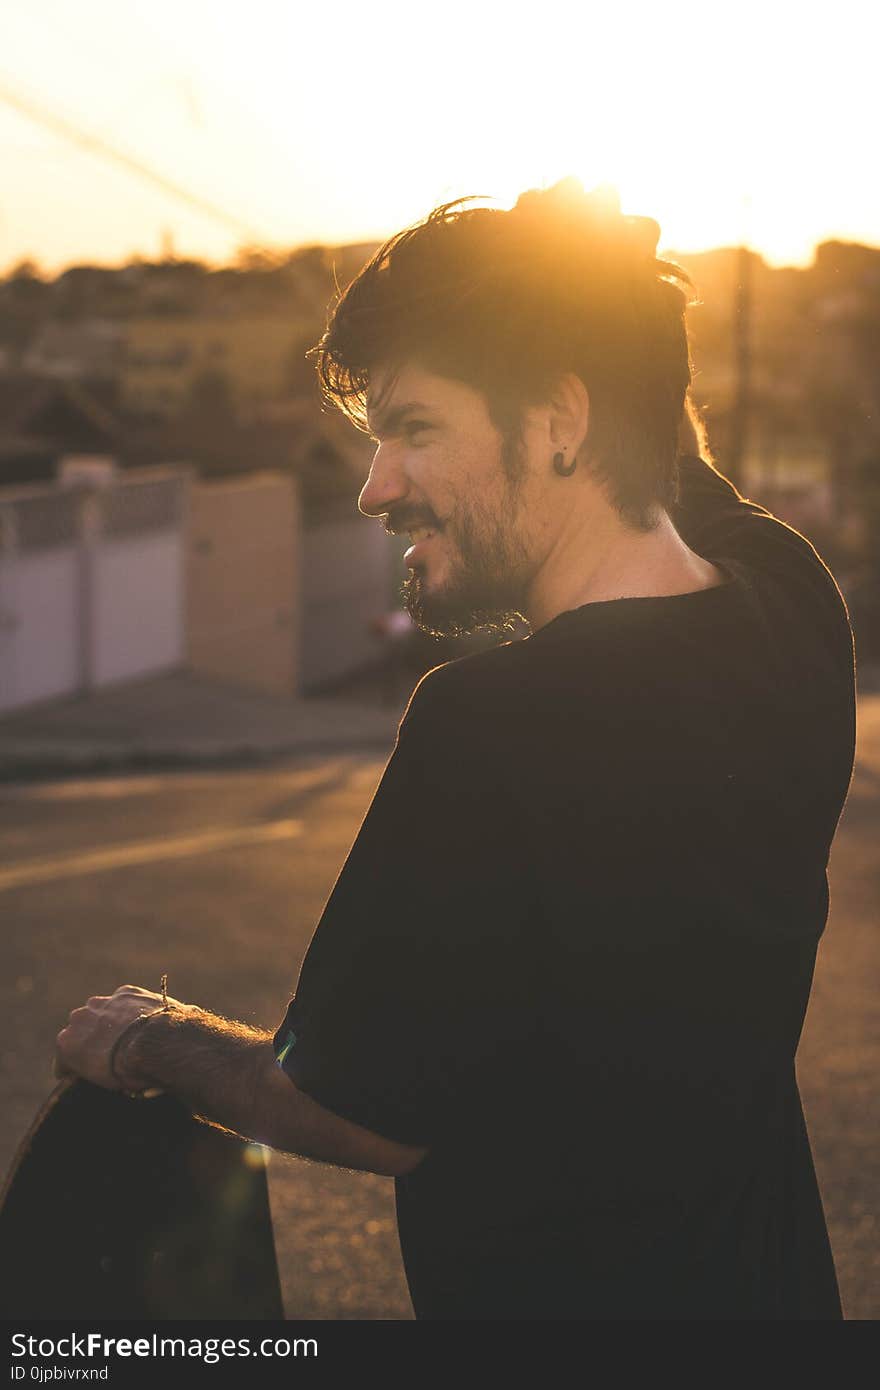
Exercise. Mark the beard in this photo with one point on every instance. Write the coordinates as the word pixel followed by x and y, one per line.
pixel 487 588
pixel 456 611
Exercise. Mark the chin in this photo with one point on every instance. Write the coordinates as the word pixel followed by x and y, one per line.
pixel 445 611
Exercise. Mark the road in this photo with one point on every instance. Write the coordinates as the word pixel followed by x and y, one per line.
pixel 218 880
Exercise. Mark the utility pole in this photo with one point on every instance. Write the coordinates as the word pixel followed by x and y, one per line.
pixel 742 338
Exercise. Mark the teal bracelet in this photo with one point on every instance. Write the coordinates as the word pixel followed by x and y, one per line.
pixel 288 1043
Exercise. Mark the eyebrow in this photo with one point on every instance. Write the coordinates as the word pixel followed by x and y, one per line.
pixel 387 421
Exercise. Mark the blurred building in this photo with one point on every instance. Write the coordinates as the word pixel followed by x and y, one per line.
pixel 107 373
pixel 809 417
pixel 45 420
pixel 168 362
pixel 83 350
pixel 266 578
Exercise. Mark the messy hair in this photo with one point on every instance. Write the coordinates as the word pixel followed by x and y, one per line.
pixel 508 301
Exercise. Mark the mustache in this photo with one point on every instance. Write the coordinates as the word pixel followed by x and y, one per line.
pixel 406 518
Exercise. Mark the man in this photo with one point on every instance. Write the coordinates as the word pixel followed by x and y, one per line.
pixel 558 987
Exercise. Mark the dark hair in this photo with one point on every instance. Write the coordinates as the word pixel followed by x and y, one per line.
pixel 508 301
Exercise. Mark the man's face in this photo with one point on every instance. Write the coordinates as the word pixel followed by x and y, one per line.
pixel 444 473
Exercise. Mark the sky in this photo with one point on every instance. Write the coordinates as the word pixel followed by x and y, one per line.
pixel 340 122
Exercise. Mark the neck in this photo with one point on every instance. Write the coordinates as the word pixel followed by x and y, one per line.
pixel 603 559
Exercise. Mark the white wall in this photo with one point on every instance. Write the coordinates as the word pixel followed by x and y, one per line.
pixel 39 626
pixel 137 606
pixel 91 584
pixel 348 569
pixel 243 581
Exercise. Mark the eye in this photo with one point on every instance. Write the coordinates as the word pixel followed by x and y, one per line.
pixel 413 427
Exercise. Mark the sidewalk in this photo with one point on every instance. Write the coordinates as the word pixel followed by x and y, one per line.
pixel 182 720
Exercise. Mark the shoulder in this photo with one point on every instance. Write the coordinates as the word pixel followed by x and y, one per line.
pixel 465 712
pixel 470 689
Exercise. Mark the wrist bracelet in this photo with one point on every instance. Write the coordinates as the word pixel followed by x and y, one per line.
pixel 114 1051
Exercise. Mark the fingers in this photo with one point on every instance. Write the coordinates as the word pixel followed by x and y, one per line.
pixel 147 996
pixel 84 1047
pixel 96 1002
pixel 121 992
pixel 110 1011
pixel 59 1070
pixel 84 1044
pixel 135 992
pixel 60 1067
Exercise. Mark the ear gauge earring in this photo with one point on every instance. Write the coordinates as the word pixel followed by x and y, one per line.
pixel 564 469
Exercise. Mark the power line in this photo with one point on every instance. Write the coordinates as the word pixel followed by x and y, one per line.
pixel 60 125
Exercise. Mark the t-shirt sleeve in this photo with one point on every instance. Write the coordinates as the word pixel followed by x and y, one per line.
pixel 410 979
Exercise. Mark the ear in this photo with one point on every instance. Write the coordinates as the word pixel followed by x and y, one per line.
pixel 568 413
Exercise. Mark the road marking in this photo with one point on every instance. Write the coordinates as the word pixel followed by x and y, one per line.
pixel 145 852
pixel 116 788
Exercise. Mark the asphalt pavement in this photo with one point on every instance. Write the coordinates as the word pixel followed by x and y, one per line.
pixel 179 719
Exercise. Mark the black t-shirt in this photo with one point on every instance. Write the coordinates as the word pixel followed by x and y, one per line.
pixel 572 947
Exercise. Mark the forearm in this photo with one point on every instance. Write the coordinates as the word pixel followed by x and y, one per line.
pixel 212 1064
pixel 226 1072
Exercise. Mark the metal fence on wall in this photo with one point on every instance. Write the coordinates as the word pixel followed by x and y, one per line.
pixel 91 584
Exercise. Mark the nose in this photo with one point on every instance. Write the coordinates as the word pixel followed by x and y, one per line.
pixel 386 485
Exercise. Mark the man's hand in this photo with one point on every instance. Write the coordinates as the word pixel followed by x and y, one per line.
pixel 84 1048
pixel 224 1071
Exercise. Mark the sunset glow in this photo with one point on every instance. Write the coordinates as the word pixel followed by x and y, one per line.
pixel 723 124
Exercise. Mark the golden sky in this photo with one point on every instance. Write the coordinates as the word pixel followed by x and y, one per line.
pixel 342 122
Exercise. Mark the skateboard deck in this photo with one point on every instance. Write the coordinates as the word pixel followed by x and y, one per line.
pixel 121 1208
